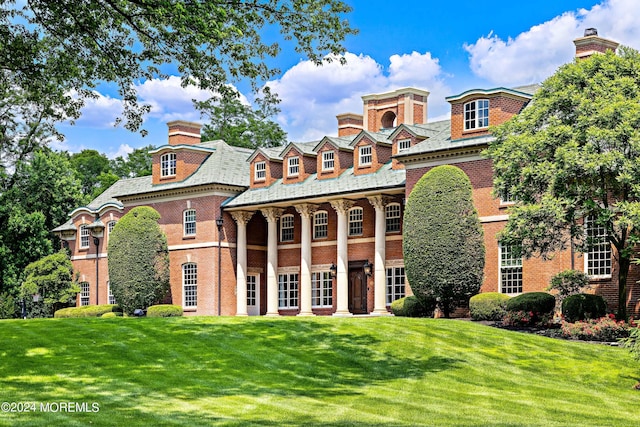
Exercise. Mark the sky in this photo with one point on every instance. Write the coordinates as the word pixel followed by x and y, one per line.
pixel 445 48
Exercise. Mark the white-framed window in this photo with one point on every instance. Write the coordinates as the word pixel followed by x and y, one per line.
pixel 288 290
pixel 404 144
pixel 252 292
pixel 392 217
pixel 168 164
pixel 507 198
pixel 260 171
pixel 286 228
pixel 111 298
pixel 327 161
pixel 476 114
pixel 84 236
pixel 395 284
pixel 355 221
pixel 293 166
pixel 320 225
pixel 189 222
pixel 321 289
pixel 84 293
pixel 597 259
pixel 365 157
pixel 510 269
pixel 110 226
pixel 189 285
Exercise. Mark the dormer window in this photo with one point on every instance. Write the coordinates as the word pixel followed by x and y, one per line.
pixel 476 114
pixel 365 158
pixel 294 166
pixel 260 171
pixel 168 165
pixel 327 161
pixel 404 144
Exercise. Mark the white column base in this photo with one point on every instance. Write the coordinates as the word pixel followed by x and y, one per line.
pixel 343 314
pixel 306 314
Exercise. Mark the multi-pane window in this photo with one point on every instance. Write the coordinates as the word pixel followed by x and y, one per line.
pixel 476 114
pixel 392 217
pixel 404 144
pixel 252 296
pixel 365 155
pixel 84 236
pixel 189 222
pixel 355 222
pixel 286 228
pixel 327 161
pixel 112 299
pixel 168 164
pixel 320 225
pixel 321 289
pixel 510 269
pixel 110 226
pixel 598 257
pixel 395 284
pixel 294 166
pixel 260 171
pixel 288 290
pixel 190 285
pixel 507 197
pixel 84 293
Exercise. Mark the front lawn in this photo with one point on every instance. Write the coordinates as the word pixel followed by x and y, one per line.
pixel 312 371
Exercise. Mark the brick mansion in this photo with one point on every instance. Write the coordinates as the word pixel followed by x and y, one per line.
pixel 315 228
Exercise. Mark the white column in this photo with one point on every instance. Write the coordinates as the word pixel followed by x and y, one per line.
pixel 342 275
pixel 379 276
pixel 272 215
pixel 306 211
pixel 241 218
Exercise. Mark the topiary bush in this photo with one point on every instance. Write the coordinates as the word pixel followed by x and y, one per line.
pixel 87 311
pixel 583 306
pixel 537 302
pixel 411 306
pixel 112 314
pixel 488 306
pixel 164 310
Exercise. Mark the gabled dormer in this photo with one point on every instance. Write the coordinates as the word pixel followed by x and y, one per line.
pixel 298 162
pixel 265 167
pixel 370 152
pixel 473 111
pixel 406 136
pixel 334 156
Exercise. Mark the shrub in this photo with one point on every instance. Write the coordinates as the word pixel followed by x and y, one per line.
pixel 488 306
pixel 568 282
pixel 112 314
pixel 412 307
pixel 537 302
pixel 603 329
pixel 87 311
pixel 8 306
pixel 583 306
pixel 164 310
pixel 633 342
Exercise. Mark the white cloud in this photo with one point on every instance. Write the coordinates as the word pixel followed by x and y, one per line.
pixel 536 54
pixel 100 112
pixel 123 151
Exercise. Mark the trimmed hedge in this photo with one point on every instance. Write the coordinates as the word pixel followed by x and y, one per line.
pixel 583 306
pixel 536 302
pixel 164 310
pixel 488 306
pixel 411 307
pixel 87 311
pixel 112 314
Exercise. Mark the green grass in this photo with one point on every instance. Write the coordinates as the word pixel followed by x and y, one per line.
pixel 313 372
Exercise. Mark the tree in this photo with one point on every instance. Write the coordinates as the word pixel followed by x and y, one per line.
pixel 51 278
pixel 138 260
pixel 137 163
pixel 443 242
pixel 574 154
pixel 90 164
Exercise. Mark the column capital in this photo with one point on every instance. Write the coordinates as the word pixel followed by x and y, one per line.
pixel 272 214
pixel 379 201
pixel 241 217
pixel 306 209
pixel 341 205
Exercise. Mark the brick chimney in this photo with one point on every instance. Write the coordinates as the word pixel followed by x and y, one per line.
pixel 591 43
pixel 349 124
pixel 184 133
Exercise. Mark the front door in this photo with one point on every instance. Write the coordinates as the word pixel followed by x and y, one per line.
pixel 253 295
pixel 357 290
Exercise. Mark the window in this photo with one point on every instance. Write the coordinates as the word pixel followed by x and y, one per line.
pixel 365 155
pixel 392 214
pixel 320 225
pixel 294 166
pixel 84 293
pixel 110 226
pixel 288 290
pixel 190 285
pixel 355 222
pixel 506 197
pixel 286 228
pixel 395 284
pixel 597 259
pixel 189 222
pixel 168 164
pixel 112 299
pixel 404 144
pixel 84 236
pixel 510 269
pixel 327 160
pixel 260 171
pixel 321 289
pixel 476 114
pixel 251 290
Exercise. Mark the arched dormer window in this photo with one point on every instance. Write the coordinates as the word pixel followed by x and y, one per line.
pixel 168 165
pixel 476 114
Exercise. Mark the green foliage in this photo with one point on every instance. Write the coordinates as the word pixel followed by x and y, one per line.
pixel 605 329
pixel 89 164
pixel 633 342
pixel 137 163
pixel 583 306
pixel 8 306
pixel 111 314
pixel 411 306
pixel 443 241
pixel 488 306
pixel 138 260
pixel 575 152
pixel 568 282
pixel 88 311
pixel 164 310
pixel 537 302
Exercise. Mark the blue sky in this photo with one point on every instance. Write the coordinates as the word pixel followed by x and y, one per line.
pixel 443 47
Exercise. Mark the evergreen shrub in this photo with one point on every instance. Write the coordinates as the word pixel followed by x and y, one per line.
pixel 164 310
pixel 488 306
pixel 411 306
pixel 87 311
pixel 583 306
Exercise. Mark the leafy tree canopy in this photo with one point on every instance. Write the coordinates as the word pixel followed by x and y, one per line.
pixel 574 152
pixel 89 164
pixel 137 163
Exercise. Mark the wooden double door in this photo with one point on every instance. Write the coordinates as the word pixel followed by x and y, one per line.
pixel 357 288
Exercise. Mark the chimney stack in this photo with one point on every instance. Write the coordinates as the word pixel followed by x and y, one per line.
pixel 184 133
pixel 349 124
pixel 591 43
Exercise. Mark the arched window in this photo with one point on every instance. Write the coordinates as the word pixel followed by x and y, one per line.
pixel 84 236
pixel 320 225
pixel 355 221
pixel 286 228
pixel 392 217
pixel 190 285
pixel 168 165
pixel 476 114
pixel 189 222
